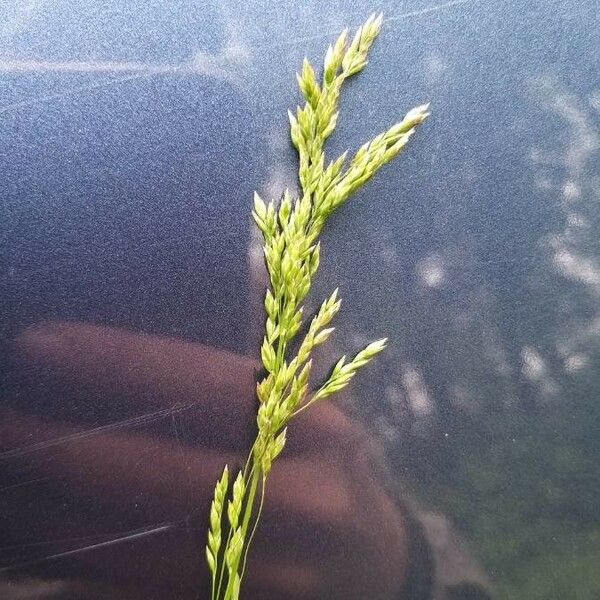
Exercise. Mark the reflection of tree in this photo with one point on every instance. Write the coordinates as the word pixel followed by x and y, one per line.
pixel 568 173
pixel 489 400
pixel 513 329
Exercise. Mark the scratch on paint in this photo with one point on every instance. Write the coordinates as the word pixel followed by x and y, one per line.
pixel 140 420
pixel 131 536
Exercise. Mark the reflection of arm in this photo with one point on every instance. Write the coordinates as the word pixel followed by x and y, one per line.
pixel 329 528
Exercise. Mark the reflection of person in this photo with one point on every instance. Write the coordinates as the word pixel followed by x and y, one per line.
pixel 328 530
pixel 120 510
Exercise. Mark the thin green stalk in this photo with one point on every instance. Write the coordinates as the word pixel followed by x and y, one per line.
pixel 249 504
pixel 222 569
pixel 255 527
pixel 246 475
pixel 250 498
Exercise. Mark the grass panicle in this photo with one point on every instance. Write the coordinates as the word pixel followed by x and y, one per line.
pixel 290 229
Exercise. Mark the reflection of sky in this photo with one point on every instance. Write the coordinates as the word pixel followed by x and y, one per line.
pixel 114 152
pixel 109 112
pixel 115 107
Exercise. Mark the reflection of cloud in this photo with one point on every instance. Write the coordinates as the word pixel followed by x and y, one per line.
pixel 577 221
pixel 574 156
pixel 535 369
pixel 575 363
pixel 577 267
pixel 571 190
pixel 434 68
pixel 236 47
pixel 431 271
pixel 574 349
pixel 418 398
pixel 584 138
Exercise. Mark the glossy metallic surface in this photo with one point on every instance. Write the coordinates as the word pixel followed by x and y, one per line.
pixel 465 462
